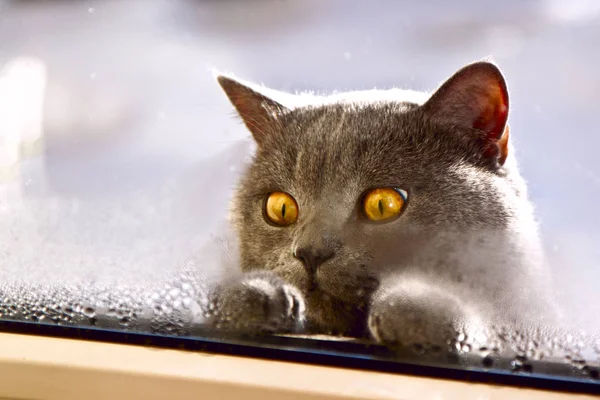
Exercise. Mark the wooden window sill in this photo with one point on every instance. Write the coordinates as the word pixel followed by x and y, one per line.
pixel 36 367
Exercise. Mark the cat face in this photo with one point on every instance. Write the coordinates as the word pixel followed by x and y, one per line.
pixel 339 191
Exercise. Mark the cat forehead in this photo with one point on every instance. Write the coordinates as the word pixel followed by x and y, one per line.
pixel 346 145
pixel 361 126
pixel 353 122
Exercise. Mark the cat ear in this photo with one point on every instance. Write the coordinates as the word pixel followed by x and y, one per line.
pixel 258 111
pixel 476 97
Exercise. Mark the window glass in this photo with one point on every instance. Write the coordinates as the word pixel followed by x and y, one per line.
pixel 141 167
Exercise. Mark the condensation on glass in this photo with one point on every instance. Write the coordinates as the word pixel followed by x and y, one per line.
pixel 118 150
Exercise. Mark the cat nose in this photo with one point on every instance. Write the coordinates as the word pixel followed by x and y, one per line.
pixel 312 257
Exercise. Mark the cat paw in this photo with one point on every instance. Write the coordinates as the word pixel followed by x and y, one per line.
pixel 258 303
pixel 416 319
pixel 411 327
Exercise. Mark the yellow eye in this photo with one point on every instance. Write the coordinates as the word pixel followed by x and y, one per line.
pixel 384 204
pixel 281 209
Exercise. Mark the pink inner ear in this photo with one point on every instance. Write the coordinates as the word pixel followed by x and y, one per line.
pixel 494 113
pixel 492 121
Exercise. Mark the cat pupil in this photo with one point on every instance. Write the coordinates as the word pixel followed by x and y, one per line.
pixel 283 211
pixel 380 207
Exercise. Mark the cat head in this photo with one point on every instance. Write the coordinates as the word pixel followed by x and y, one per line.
pixel 340 184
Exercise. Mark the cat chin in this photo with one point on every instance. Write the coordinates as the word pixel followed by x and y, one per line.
pixel 327 287
pixel 334 316
pixel 351 294
pixel 335 283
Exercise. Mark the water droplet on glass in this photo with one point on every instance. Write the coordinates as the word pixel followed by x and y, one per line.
pixel 569 338
pixel 487 361
pixel 187 302
pixel 89 312
pixel 418 348
pixel 516 365
pixel 177 304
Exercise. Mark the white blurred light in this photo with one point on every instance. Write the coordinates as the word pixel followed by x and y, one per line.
pixel 22 90
pixel 573 11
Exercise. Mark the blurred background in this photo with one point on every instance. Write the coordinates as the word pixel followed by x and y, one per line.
pixel 118 151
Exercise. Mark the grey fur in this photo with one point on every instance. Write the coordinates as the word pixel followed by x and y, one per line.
pixel 464 253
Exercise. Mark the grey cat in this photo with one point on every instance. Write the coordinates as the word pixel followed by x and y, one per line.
pixel 394 214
